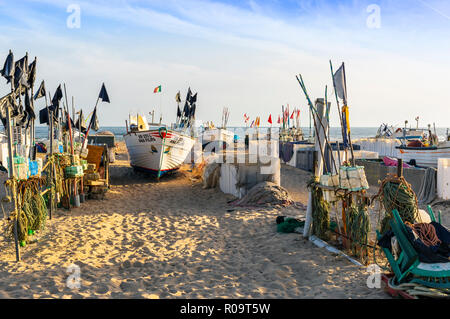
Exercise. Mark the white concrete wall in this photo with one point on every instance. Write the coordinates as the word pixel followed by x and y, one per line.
pixel 443 178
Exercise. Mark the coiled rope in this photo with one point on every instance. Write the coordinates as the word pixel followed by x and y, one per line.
pixel 426 232
pixel 396 193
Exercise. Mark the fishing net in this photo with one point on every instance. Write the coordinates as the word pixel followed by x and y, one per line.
pixel 265 193
pixel 320 211
pixel 31 213
pixel 396 193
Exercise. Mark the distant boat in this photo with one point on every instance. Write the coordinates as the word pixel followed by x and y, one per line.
pixel 154 148
pixel 385 131
pixel 426 155
pixel 213 137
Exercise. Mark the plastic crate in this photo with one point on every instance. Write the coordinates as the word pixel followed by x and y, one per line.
pixel 73 171
pixel 21 171
pixel 353 178
pixel 331 181
pixel 33 168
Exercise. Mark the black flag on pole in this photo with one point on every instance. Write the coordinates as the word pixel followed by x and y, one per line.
pixel 57 97
pixel 189 95
pixel 192 112
pixel 187 109
pixel 8 68
pixel 21 73
pixel 28 108
pixel 193 98
pixel 43 116
pixel 55 101
pixel 41 91
pixel 31 73
pixel 178 111
pixel 94 121
pixel 103 94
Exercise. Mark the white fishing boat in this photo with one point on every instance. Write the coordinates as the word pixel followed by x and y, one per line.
pixel 213 136
pixel 217 135
pixel 385 131
pixel 425 156
pixel 154 148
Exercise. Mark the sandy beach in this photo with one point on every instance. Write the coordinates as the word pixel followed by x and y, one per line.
pixel 174 239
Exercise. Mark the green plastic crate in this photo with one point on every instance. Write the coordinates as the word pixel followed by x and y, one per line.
pixel 74 171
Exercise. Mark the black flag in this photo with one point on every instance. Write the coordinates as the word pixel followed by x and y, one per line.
pixel 21 73
pixel 43 116
pixel 189 94
pixel 192 113
pixel 178 111
pixel 5 102
pixel 186 109
pixel 41 91
pixel 57 96
pixel 8 68
pixel 193 99
pixel 94 121
pixel 28 107
pixel 55 101
pixel 32 73
pixel 103 94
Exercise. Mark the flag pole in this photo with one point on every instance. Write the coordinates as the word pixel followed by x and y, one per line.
pixel 348 124
pixel 339 108
pixel 11 170
pixel 89 127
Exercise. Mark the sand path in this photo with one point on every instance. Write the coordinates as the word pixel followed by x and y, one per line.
pixel 174 239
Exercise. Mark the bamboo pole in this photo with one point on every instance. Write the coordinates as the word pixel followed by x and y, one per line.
pixel 11 170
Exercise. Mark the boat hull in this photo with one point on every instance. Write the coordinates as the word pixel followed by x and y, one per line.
pixel 424 156
pixel 156 151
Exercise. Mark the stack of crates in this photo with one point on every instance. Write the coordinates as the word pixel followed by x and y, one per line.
pixel 90 174
pixel 73 171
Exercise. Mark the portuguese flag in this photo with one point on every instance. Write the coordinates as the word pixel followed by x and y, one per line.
pixel 157 89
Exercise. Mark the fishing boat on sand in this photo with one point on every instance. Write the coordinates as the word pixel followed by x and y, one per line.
pixel 424 151
pixel 157 149
pixel 154 148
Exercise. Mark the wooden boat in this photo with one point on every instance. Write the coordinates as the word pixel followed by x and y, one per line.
pixel 216 136
pixel 155 148
pixel 385 131
pixel 425 156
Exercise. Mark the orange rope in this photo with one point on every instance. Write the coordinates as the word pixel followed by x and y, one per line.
pixel 426 232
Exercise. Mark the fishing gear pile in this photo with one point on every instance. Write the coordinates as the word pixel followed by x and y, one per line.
pixel 265 193
pixel 320 209
pixel 32 209
pixel 396 193
pixel 358 228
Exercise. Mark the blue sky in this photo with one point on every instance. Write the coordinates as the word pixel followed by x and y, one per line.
pixel 239 54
